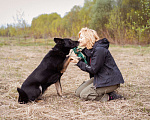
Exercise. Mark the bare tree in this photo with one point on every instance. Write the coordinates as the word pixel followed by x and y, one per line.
pixel 21 25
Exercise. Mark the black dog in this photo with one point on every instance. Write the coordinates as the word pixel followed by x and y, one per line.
pixel 48 72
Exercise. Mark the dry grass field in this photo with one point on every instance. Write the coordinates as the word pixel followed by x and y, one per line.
pixel 17 62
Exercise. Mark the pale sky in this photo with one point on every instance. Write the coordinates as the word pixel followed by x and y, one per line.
pixel 34 8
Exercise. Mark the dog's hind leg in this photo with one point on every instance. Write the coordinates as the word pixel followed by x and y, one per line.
pixel 58 88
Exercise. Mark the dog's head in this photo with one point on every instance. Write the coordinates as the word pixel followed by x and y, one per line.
pixel 66 42
pixel 23 98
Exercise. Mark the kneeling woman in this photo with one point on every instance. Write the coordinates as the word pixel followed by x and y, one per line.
pixel 104 73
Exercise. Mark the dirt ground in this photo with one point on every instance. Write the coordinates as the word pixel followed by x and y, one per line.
pixel 17 62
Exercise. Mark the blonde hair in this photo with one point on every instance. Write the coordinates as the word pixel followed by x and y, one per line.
pixel 90 36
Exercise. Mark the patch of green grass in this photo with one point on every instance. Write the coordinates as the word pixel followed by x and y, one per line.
pixel 140 50
pixel 28 42
pixel 130 46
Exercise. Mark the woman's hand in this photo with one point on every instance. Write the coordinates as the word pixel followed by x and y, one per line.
pixel 74 60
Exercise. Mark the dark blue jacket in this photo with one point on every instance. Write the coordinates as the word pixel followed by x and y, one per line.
pixel 101 65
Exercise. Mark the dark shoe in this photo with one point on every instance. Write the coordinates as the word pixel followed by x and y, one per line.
pixel 113 96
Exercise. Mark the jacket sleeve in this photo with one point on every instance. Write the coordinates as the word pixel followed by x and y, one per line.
pixel 97 61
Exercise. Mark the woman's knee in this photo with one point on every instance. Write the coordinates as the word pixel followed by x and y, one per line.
pixel 83 86
pixel 79 89
pixel 77 92
pixel 89 93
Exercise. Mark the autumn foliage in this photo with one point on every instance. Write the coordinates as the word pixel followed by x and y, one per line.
pixel 121 21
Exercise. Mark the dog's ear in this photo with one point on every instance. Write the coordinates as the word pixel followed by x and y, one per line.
pixel 23 98
pixel 56 40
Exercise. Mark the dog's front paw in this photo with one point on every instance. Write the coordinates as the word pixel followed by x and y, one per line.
pixel 63 96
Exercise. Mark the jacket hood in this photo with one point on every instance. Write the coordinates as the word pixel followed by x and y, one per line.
pixel 102 43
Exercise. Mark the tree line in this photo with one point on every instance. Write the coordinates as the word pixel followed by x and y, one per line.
pixel 121 21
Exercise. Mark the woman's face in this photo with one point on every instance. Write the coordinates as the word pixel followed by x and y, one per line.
pixel 82 41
